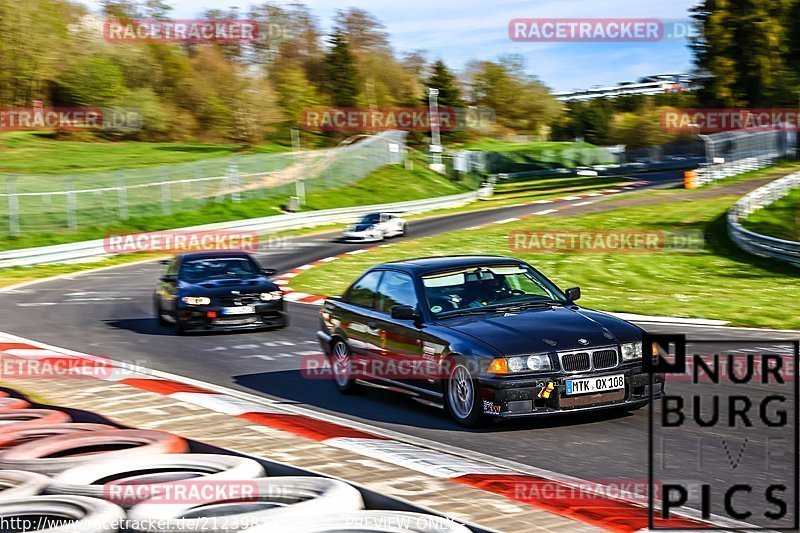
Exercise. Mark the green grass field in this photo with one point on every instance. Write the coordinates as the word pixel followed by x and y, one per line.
pixel 508 157
pixel 718 281
pixel 38 153
pixel 780 219
pixel 388 184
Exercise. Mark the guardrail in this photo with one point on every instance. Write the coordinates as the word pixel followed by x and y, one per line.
pixel 61 253
pixel 755 243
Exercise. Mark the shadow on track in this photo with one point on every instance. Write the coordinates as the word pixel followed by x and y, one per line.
pixel 387 407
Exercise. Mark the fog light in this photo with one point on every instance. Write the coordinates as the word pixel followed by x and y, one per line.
pixel 211 314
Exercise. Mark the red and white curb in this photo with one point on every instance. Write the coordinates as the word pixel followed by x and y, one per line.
pixel 291 295
pixel 599 509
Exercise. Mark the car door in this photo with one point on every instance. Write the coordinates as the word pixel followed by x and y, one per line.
pixel 401 340
pixel 359 317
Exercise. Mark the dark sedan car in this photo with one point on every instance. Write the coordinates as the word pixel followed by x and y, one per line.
pixel 482 336
pixel 218 291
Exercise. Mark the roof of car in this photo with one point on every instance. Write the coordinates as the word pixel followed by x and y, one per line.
pixel 210 254
pixel 429 264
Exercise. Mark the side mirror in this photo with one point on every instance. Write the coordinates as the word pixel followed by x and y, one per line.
pixel 269 271
pixel 167 278
pixel 573 293
pixel 404 312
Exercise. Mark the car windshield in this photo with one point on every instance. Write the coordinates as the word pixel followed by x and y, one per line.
pixel 217 267
pixel 372 218
pixel 488 288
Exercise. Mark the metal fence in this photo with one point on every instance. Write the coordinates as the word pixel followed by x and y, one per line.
pixel 35 203
pixel 753 242
pixel 735 152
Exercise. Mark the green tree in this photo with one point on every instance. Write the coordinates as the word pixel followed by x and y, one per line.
pixel 449 92
pixel 294 92
pixel 520 102
pixel 341 82
pixel 93 81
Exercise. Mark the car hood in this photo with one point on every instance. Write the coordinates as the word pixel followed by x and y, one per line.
pixel 363 227
pixel 545 330
pixel 224 286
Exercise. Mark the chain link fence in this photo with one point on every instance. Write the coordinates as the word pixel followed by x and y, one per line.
pixel 735 152
pixel 38 203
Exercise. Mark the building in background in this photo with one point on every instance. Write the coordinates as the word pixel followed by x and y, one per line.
pixel 655 84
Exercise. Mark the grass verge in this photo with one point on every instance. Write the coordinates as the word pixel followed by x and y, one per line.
pixel 718 281
pixel 38 153
pixel 780 219
pixel 388 184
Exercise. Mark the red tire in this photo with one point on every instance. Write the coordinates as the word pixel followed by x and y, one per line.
pixel 52 455
pixel 42 431
pixel 14 419
pixel 13 403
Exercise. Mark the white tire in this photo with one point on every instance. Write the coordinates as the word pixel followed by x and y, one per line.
pixel 366 521
pixel 52 455
pixel 32 432
pixel 16 484
pixel 87 515
pixel 145 473
pixel 279 498
pixel 14 419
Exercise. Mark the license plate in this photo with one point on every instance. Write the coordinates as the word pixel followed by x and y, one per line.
pixel 598 384
pixel 243 310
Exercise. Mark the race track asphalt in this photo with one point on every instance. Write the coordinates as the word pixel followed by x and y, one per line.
pixel 110 313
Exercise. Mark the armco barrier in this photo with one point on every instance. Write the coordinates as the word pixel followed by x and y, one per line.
pixel 94 249
pixel 753 242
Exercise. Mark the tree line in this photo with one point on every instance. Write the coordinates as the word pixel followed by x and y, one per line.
pixel 55 51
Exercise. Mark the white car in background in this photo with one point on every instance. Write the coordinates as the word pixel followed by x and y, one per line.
pixel 376 227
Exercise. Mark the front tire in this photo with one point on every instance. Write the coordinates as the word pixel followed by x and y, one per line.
pixel 341 365
pixel 159 314
pixel 463 399
pixel 180 326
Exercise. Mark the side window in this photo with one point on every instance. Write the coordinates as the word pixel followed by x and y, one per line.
pixel 363 291
pixel 396 288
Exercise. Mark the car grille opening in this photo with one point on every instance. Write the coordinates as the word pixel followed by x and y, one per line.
pixel 575 362
pixel 603 359
pixel 244 299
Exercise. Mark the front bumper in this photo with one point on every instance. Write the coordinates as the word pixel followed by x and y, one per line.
pixel 364 236
pixel 210 317
pixel 511 396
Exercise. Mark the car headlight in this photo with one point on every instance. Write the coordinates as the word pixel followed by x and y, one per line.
pixel 270 296
pixel 525 363
pixel 196 300
pixel 631 351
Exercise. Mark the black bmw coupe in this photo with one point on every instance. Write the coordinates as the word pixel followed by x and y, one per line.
pixel 482 336
pixel 218 291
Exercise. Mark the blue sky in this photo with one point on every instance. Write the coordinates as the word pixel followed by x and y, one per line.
pixel 459 30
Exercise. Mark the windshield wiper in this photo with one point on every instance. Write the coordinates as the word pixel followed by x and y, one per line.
pixel 526 305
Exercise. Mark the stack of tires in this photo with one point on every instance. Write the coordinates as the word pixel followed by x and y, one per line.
pixel 66 477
